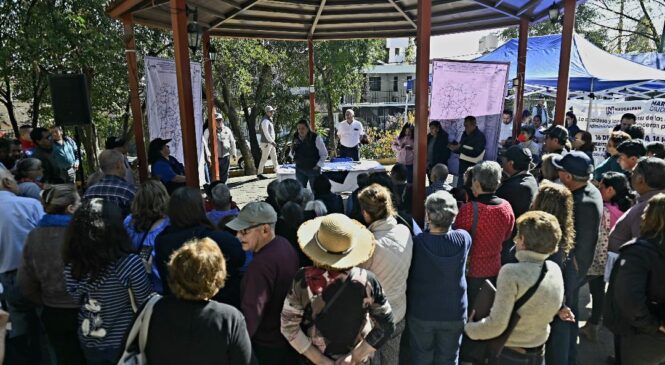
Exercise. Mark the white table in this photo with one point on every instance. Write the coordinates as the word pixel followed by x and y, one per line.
pixel 354 169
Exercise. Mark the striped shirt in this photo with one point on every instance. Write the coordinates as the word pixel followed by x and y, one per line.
pixel 106 310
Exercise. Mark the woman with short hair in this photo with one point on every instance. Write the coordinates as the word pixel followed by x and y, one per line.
pixel 41 277
pixel 437 304
pixel 105 277
pixel 147 220
pixel 188 221
pixel 189 327
pixel 391 259
pixel 538 235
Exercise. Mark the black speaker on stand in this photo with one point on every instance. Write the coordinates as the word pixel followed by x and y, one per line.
pixel 71 106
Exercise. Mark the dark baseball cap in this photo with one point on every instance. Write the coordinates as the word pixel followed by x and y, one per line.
pixel 519 155
pixel 632 148
pixel 160 142
pixel 114 142
pixel 557 131
pixel 575 162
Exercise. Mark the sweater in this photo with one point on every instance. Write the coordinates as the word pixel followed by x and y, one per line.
pixel 514 280
pixel 41 277
pixel 197 332
pixel 495 225
pixel 437 285
pixel 391 261
pixel 587 211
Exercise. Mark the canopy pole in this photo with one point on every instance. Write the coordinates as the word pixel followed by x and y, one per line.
pixel 564 61
pixel 312 93
pixel 210 98
pixel 185 100
pixel 135 101
pixel 422 111
pixel 521 74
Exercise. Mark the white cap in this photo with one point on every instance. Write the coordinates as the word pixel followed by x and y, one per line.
pixel 269 109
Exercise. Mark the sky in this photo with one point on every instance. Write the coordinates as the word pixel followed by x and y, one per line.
pixel 458 45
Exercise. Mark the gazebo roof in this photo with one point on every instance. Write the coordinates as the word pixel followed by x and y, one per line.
pixel 336 19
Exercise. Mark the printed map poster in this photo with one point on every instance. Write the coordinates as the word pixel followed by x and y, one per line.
pixel 163 109
pixel 606 114
pixel 462 88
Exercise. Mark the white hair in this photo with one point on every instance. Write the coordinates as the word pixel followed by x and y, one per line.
pixel 349 111
pixel 318 207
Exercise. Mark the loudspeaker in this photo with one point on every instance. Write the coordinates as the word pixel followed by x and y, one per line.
pixel 70 99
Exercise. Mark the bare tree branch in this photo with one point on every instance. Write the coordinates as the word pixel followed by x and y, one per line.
pixel 650 36
pixel 608 8
pixel 652 28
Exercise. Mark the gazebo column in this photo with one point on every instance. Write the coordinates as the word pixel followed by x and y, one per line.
pixel 521 74
pixel 312 92
pixel 422 109
pixel 564 61
pixel 185 101
pixel 135 101
pixel 210 98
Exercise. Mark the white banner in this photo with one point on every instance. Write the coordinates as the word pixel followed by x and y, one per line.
pixel 163 108
pixel 606 114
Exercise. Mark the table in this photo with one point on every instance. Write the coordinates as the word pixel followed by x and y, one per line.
pixel 343 175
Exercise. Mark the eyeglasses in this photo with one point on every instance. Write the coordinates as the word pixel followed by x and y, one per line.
pixel 246 230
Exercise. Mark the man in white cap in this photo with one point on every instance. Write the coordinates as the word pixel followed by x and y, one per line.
pixel 268 144
pixel 226 147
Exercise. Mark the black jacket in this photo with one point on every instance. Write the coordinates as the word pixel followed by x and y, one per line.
pixel 519 190
pixel 587 211
pixel 173 238
pixel 473 144
pixel 635 301
pixel 439 152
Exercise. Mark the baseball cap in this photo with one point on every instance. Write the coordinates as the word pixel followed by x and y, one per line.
pixel 519 155
pixel 445 201
pixel 575 162
pixel 557 131
pixel 114 142
pixel 218 116
pixel 269 109
pixel 160 142
pixel 632 148
pixel 253 214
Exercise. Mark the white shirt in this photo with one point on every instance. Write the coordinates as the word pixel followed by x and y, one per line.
pixel 268 130
pixel 349 134
pixel 506 131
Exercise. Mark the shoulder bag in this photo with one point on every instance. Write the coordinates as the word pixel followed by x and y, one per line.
pixel 133 355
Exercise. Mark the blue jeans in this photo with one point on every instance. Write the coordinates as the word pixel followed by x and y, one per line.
pixel 101 357
pixel 561 346
pixel 304 176
pixel 435 342
pixel 224 166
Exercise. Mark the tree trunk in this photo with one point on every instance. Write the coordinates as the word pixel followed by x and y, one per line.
pixel 331 120
pixel 620 26
pixel 227 107
pixel 7 101
pixel 265 77
pixel 37 96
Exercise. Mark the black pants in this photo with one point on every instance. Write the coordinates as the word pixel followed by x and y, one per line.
pixel 352 152
pixel 224 165
pixel 61 326
pixel 275 355
pixel 305 176
pixel 510 357
pixel 597 289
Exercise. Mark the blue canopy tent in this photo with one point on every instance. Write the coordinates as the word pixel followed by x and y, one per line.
pixel 651 59
pixel 592 70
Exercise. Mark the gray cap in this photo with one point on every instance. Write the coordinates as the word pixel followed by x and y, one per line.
pixel 269 109
pixel 218 116
pixel 253 214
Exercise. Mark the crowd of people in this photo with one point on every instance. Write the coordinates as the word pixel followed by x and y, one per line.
pixel 308 277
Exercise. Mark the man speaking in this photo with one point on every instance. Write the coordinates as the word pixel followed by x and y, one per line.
pixel 350 132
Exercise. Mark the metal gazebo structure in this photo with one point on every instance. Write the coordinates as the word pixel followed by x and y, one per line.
pixel 320 20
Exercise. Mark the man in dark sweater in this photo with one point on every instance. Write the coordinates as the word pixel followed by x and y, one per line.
pixel 266 283
pixel 471 147
pixel 575 170
pixel 44 152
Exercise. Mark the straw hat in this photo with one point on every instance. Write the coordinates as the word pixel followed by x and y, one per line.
pixel 336 241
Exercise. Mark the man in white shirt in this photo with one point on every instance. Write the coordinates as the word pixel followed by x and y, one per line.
pixel 226 147
pixel 506 130
pixel 267 142
pixel 349 132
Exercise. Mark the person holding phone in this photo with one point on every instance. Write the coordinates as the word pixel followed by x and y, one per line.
pixel 403 147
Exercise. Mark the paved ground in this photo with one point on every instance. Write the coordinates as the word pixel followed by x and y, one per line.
pixel 249 189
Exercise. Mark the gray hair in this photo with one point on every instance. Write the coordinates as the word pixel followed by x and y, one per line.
pixel 307 196
pixel 26 165
pixel 289 190
pixel 349 111
pixel 488 175
pixel 221 195
pixel 109 159
pixel 317 207
pixel 439 172
pixel 437 215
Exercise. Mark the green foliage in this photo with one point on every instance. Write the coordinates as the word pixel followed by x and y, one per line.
pixel 380 145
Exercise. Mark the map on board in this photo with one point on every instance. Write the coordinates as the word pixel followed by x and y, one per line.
pixel 163 109
pixel 467 88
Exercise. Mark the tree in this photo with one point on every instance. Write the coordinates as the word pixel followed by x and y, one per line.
pixel 632 24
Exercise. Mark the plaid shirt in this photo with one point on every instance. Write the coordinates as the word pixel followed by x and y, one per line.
pixel 113 189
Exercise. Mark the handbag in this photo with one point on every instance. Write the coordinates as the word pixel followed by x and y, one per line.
pixel 133 355
pixel 487 351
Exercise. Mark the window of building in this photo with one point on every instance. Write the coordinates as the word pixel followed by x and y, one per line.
pixel 395 83
pixel 397 51
pixel 375 84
